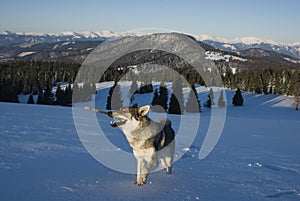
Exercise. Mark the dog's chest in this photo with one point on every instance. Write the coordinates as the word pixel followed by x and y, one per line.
pixel 140 144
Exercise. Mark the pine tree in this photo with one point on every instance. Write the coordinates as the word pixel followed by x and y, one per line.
pixel 114 98
pixel 221 102
pixel 156 101
pixel 193 103
pixel 59 95
pixel 30 99
pixel 176 102
pixel 40 99
pixel 86 92
pixel 210 100
pixel 48 96
pixel 163 96
pixel 75 93
pixel 133 90
pixel 68 96
pixel 297 93
pixel 133 87
pixel 238 98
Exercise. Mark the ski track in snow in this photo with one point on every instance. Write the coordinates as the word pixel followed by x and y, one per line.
pixel 257 157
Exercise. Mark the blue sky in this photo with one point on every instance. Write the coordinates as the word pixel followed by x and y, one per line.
pixel 269 19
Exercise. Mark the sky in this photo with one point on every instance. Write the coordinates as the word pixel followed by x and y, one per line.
pixel 268 19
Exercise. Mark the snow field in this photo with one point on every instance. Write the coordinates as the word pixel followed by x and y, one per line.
pixel 256 158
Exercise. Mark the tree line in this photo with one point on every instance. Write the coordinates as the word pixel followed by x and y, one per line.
pixel 37 78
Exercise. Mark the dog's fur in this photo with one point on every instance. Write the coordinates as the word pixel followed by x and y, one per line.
pixel 151 141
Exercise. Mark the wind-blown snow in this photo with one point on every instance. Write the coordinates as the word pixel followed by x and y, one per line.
pixel 257 157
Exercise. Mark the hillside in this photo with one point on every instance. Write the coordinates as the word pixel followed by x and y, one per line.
pixel 256 158
pixel 74 46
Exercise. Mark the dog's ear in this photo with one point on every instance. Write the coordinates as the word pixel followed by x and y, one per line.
pixel 144 110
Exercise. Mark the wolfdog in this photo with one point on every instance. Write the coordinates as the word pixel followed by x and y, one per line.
pixel 151 141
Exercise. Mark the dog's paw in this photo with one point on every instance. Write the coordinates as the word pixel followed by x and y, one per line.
pixel 169 170
pixel 140 183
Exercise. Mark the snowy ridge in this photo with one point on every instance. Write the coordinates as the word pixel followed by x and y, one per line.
pixel 237 44
pixel 109 34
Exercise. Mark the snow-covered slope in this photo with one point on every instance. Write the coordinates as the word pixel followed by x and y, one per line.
pixel 257 157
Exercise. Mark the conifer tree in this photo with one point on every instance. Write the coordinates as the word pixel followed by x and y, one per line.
pixel 133 87
pixel 155 101
pixel 193 103
pixel 176 102
pixel 86 92
pixel 30 99
pixel 221 102
pixel 210 100
pixel 76 93
pixel 59 95
pixel 238 98
pixel 48 96
pixel 40 99
pixel 68 96
pixel 114 98
pixel 163 96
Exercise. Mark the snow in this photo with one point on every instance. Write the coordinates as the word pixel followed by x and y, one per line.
pixel 292 60
pixel 23 54
pixel 256 158
pixel 230 47
pixel 219 56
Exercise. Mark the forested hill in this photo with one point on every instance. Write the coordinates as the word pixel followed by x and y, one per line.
pixel 43 64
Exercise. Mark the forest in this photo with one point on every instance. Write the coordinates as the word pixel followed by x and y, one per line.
pixel 38 78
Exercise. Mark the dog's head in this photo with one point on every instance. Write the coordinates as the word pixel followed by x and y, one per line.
pixel 130 117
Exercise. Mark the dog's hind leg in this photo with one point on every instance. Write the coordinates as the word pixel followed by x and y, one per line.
pixel 169 158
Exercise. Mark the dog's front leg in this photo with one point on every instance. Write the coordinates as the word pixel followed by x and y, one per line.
pixel 141 176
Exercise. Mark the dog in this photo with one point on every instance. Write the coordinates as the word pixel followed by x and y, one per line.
pixel 152 142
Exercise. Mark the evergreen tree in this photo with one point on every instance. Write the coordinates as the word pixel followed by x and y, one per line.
pixel 40 99
pixel 114 98
pixel 30 99
pixel 68 96
pixel 238 98
pixel 76 93
pixel 86 92
pixel 210 100
pixel 133 87
pixel 297 92
pixel 59 95
pixel 156 101
pixel 193 103
pixel 133 90
pixel 176 102
pixel 163 96
pixel 221 102
pixel 48 96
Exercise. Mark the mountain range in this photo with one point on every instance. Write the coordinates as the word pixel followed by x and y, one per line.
pixel 75 46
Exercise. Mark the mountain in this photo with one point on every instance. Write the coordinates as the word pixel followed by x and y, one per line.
pixel 240 44
pixel 75 46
